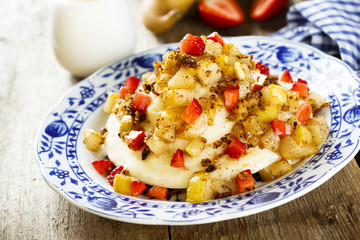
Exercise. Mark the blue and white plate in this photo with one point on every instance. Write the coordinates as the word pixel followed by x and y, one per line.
pixel 66 164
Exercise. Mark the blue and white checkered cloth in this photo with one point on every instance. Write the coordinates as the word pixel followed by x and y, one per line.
pixel 332 26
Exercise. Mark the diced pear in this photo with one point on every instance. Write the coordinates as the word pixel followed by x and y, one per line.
pixel 222 60
pixel 273 94
pixel 196 128
pixel 177 98
pixel 183 79
pixel 302 135
pixel 239 71
pixel 212 47
pixel 167 124
pixel 126 125
pixel 156 145
pixel 110 102
pixel 92 140
pixel 195 147
pixel 290 149
pixel 209 74
pixel 167 134
pixel 319 129
pixel 268 114
pixel 230 49
pixel 266 174
pixel 199 188
pixel 170 63
pixel 270 140
pixel 280 168
pixel 122 184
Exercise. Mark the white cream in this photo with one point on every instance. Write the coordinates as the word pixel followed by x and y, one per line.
pixel 157 170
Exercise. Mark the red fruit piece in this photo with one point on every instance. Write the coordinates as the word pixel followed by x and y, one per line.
pixel 215 36
pixel 286 77
pixel 263 68
pixel 235 149
pixel 265 9
pixel 304 112
pixel 178 159
pixel 137 188
pixel 302 81
pixel 245 181
pixel 192 45
pixel 257 87
pixel 129 87
pixel 135 140
pixel 141 101
pixel 221 13
pixel 301 88
pixel 115 171
pixel 158 192
pixel 103 166
pixel 231 98
pixel 281 128
pixel 192 112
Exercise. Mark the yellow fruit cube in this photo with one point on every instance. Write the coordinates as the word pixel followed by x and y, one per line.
pixel 266 174
pixel 110 102
pixel 199 188
pixel 302 135
pixel 273 94
pixel 195 147
pixel 126 125
pixel 177 98
pixel 222 61
pixel 268 114
pixel 183 79
pixel 280 168
pixel 209 74
pixel 122 184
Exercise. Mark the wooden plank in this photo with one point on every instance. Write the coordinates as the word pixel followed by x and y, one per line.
pixel 329 212
pixel 32 82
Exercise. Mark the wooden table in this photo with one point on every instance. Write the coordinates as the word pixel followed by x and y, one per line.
pixel 32 82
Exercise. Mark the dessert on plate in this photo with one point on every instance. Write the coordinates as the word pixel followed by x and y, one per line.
pixel 208 119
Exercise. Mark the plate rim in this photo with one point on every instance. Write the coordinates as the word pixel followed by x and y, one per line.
pixel 223 217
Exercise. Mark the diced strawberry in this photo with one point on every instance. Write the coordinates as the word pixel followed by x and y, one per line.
pixel 132 83
pixel 137 188
pixel 141 101
pixel 129 87
pixel 192 45
pixel 286 77
pixel 123 91
pixel 135 140
pixel 215 36
pixel 235 149
pixel 302 81
pixel 178 159
pixel 304 112
pixel 115 171
pixel 231 98
pixel 192 112
pixel 281 128
pixel 263 68
pixel 257 87
pixel 158 192
pixel 103 166
pixel 245 181
pixel 301 88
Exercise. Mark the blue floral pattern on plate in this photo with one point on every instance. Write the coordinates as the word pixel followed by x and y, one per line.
pixel 66 164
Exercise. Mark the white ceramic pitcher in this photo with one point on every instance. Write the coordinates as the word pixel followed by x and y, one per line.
pixel 90 34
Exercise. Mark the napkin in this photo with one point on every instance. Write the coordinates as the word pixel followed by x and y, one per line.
pixel 333 26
